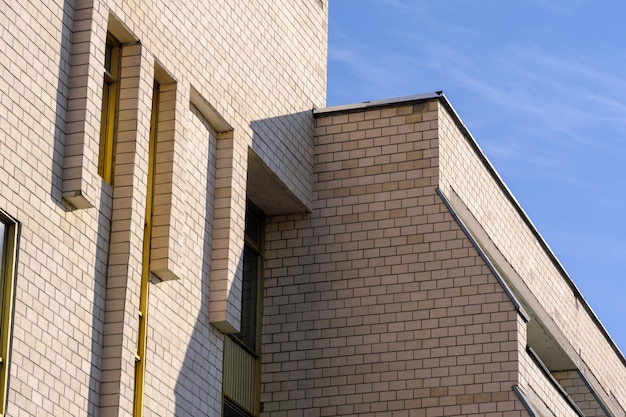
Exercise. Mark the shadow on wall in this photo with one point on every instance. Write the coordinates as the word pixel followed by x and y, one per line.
pixel 104 212
pixel 280 164
pixel 56 184
pixel 99 302
pixel 286 142
pixel 195 393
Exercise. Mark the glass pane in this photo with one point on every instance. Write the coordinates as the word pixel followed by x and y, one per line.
pixel 108 53
pixel 252 228
pixel 249 298
pixel 232 411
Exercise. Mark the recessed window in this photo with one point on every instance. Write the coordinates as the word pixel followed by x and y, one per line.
pixel 8 255
pixel 110 90
pixel 144 292
pixel 242 351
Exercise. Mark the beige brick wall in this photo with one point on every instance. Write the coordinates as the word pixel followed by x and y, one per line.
pixel 463 171
pixel 579 391
pixel 255 63
pixel 544 396
pixel 376 304
pixel 184 371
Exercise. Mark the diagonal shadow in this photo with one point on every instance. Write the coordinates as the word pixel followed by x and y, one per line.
pixel 193 379
pixel 104 210
pixel 62 99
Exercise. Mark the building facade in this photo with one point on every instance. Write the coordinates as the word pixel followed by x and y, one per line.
pixel 185 230
pixel 417 286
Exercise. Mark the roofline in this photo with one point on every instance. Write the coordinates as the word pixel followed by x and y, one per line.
pixel 378 103
pixel 439 95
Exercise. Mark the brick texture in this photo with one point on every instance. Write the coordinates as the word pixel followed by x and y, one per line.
pixel 376 303
pixel 580 392
pixel 258 65
pixel 465 173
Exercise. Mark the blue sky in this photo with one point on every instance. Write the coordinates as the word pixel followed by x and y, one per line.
pixel 542 87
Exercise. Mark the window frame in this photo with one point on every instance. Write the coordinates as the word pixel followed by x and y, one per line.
pixel 8 261
pixel 110 94
pixel 256 247
pixel 144 291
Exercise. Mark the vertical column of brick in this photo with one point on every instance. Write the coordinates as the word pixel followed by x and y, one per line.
pixel 127 226
pixel 81 182
pixel 168 218
pixel 228 228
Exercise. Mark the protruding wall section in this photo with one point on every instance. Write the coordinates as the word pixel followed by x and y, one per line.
pixel 81 183
pixel 228 219
pixel 391 296
pixel 228 227
pixel 377 302
pixel 125 254
pixel 168 222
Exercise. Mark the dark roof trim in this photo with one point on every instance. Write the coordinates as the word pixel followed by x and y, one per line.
pixel 378 103
pixel 595 394
pixel 525 401
pixel 518 306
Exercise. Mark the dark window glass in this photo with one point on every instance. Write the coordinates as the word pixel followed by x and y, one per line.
pixel 112 56
pixel 232 411
pixel 8 252
pixel 249 297
pixel 252 228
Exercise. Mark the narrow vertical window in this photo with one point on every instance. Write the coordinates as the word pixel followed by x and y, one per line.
pixel 8 254
pixel 140 355
pixel 109 107
pixel 242 351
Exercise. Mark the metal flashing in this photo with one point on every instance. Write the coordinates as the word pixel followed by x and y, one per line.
pixel 525 401
pixel 518 306
pixel 378 103
pixel 546 372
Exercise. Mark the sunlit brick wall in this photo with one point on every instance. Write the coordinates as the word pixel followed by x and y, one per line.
pixel 254 62
pixel 376 303
pixel 544 396
pixel 463 171
pixel 580 392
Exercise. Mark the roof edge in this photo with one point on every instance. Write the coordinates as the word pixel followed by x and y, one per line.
pixel 378 103
pixel 522 213
pixel 439 95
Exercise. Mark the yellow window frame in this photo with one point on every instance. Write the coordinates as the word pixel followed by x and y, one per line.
pixel 140 354
pixel 8 259
pixel 110 92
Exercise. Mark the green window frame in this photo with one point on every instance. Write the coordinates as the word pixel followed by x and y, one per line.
pixel 9 234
